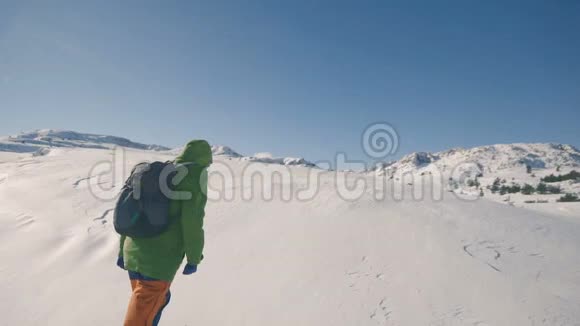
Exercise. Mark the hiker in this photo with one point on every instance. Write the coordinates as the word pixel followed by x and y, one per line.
pixel 152 262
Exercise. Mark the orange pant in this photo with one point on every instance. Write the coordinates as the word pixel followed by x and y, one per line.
pixel 147 301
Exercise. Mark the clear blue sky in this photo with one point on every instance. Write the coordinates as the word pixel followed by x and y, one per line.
pixel 294 77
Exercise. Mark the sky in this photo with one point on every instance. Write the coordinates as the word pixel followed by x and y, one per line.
pixel 295 78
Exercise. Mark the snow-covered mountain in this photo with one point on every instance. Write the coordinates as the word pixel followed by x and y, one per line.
pixel 30 142
pixel 41 141
pixel 267 158
pixel 288 161
pixel 224 151
pixel 486 160
pixel 514 164
pixel 489 159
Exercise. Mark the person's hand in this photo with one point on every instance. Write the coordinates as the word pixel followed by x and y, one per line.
pixel 189 269
pixel 121 262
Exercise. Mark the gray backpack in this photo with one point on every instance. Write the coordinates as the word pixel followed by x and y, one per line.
pixel 142 210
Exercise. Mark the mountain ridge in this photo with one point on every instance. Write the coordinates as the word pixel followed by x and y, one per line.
pixel 490 158
pixel 33 141
pixel 39 142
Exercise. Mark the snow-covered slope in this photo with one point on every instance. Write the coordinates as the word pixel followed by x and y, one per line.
pixel 47 138
pixel 317 261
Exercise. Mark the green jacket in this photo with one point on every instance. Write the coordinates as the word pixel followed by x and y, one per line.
pixel 160 257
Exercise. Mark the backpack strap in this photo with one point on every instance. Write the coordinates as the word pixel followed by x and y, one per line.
pixel 188 164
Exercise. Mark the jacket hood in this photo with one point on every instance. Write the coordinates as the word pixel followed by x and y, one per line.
pixel 196 151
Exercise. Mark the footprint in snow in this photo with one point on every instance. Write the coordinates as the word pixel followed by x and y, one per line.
pixel 456 316
pixel 487 252
pixel 24 221
pixel 382 314
pixel 102 217
pixel 367 277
